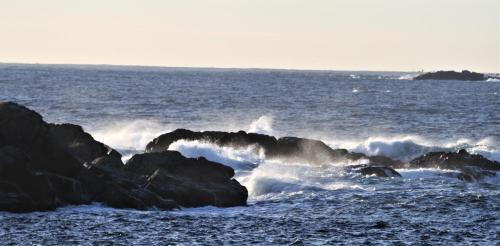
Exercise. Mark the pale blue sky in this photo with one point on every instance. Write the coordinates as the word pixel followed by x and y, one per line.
pixel 305 34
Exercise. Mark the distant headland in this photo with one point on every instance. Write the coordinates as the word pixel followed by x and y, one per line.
pixel 452 75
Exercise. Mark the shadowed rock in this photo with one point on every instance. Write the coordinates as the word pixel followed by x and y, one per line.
pixel 44 166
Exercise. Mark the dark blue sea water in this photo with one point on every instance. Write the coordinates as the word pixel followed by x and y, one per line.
pixel 370 112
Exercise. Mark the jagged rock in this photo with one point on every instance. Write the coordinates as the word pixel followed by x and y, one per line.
pixel 189 181
pixel 451 75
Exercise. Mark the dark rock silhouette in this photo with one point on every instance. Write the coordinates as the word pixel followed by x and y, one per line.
pixel 452 75
pixel 44 166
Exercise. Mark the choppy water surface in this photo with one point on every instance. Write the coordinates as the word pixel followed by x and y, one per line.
pixel 370 112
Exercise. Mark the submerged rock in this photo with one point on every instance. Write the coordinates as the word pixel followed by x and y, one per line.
pixel 371 169
pixel 474 174
pixel 379 171
pixel 451 75
pixel 44 166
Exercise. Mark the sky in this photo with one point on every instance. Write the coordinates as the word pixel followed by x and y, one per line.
pixel 383 35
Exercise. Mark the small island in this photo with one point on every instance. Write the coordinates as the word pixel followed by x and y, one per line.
pixel 452 75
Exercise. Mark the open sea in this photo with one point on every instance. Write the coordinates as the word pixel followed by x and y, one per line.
pixel 289 203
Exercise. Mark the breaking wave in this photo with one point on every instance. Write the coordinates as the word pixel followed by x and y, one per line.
pixel 407 77
pixel 131 137
pixel 268 179
pixel 237 158
pixel 262 125
pixel 406 148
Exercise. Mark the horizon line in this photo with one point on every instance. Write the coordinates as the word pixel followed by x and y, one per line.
pixel 228 68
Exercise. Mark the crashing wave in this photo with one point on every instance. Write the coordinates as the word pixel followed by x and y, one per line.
pixel 406 148
pixel 262 125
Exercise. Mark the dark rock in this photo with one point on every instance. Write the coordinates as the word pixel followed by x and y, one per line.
pixel 80 144
pixel 13 199
pixel 451 75
pixel 22 127
pixel 189 181
pixel 379 171
pixel 44 166
pixel 31 187
pixel 453 161
pixel 292 148
pixel 235 139
pixel 380 225
pixel 69 190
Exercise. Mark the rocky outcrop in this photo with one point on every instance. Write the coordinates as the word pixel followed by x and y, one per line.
pixel 44 166
pixel 293 148
pixel 472 167
pixel 170 174
pixel 451 75
pixel 454 161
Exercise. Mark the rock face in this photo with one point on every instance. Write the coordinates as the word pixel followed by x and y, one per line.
pixel 451 75
pixel 44 166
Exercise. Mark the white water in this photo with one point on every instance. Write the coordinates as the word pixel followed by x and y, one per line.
pixel 408 147
pixel 131 137
pixel 271 179
pixel 262 125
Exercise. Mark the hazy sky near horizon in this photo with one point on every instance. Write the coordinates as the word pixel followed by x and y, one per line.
pixel 304 34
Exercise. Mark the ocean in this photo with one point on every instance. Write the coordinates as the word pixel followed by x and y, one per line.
pixel 377 113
